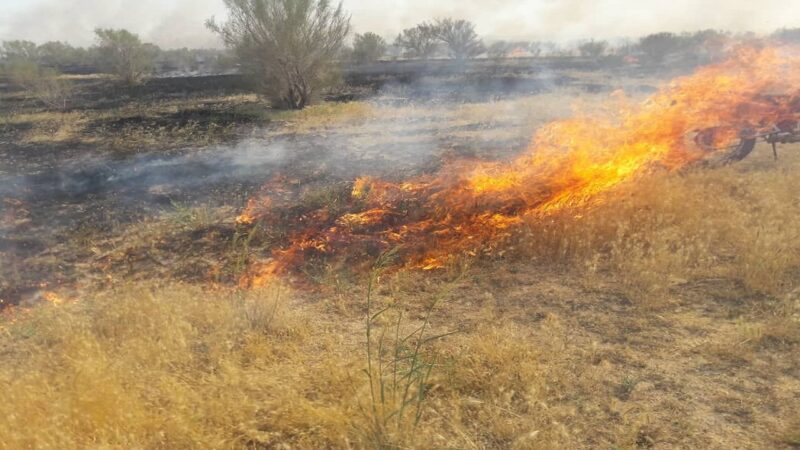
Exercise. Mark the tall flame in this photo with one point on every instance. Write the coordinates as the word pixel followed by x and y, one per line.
pixel 468 204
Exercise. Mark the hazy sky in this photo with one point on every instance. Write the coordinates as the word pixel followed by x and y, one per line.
pixel 178 23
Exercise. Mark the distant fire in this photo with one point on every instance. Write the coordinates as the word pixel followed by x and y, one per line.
pixel 469 204
pixel 53 298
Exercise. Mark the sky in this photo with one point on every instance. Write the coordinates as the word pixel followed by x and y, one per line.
pixel 179 23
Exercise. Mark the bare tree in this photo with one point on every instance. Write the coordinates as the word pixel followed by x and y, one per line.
pixel 124 55
pixel 368 47
pixel 550 48
pixel 499 49
pixel 418 42
pixel 593 49
pixel 460 36
pixel 656 47
pixel 535 49
pixel 289 47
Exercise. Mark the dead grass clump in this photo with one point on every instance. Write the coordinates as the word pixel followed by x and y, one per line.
pixel 325 115
pixel 530 111
pixel 492 381
pixel 776 329
pixel 51 126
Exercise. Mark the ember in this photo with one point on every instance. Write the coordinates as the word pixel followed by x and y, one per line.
pixel 469 204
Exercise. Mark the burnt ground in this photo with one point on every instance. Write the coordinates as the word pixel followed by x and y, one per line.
pixel 138 152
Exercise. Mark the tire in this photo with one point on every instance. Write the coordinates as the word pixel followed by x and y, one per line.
pixel 706 140
pixel 741 151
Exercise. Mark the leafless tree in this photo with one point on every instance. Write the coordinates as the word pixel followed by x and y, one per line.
pixel 460 36
pixel 289 47
pixel 593 49
pixel 368 47
pixel 535 49
pixel 499 50
pixel 418 42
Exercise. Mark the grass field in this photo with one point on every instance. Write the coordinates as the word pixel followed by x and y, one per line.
pixel 667 315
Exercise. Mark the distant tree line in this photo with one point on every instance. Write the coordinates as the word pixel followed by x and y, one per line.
pixel 65 58
pixel 458 39
pixel 39 69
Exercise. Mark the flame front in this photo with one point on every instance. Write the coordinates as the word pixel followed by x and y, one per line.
pixel 470 204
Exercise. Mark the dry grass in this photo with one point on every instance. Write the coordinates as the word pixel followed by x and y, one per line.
pixel 181 367
pixel 50 127
pixel 156 368
pixel 326 115
pixel 665 316
pixel 140 123
pixel 666 230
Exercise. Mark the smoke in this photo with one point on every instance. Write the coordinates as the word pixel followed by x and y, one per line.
pixel 179 23
pixel 170 24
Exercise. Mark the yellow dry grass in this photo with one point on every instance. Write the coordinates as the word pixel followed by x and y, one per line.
pixel 667 229
pixel 667 315
pixel 183 367
pixel 138 123
pixel 325 115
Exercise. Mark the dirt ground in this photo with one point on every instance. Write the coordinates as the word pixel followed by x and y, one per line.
pixel 669 317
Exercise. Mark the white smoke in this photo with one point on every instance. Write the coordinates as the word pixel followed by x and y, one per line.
pixel 168 23
pixel 179 23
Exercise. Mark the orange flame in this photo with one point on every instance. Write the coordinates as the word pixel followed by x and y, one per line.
pixel 569 163
pixel 52 297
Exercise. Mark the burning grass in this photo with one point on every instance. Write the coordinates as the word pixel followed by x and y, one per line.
pixel 731 222
pixel 467 206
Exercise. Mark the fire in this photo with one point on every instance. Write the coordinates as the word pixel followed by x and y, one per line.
pixel 247 217
pixel 469 204
pixel 53 298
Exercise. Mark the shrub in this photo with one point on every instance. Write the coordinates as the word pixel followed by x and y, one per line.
pixel 418 42
pixel 12 51
pixel 289 47
pixel 44 84
pixel 124 55
pixel 593 49
pixel 499 50
pixel 368 47
pixel 656 47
